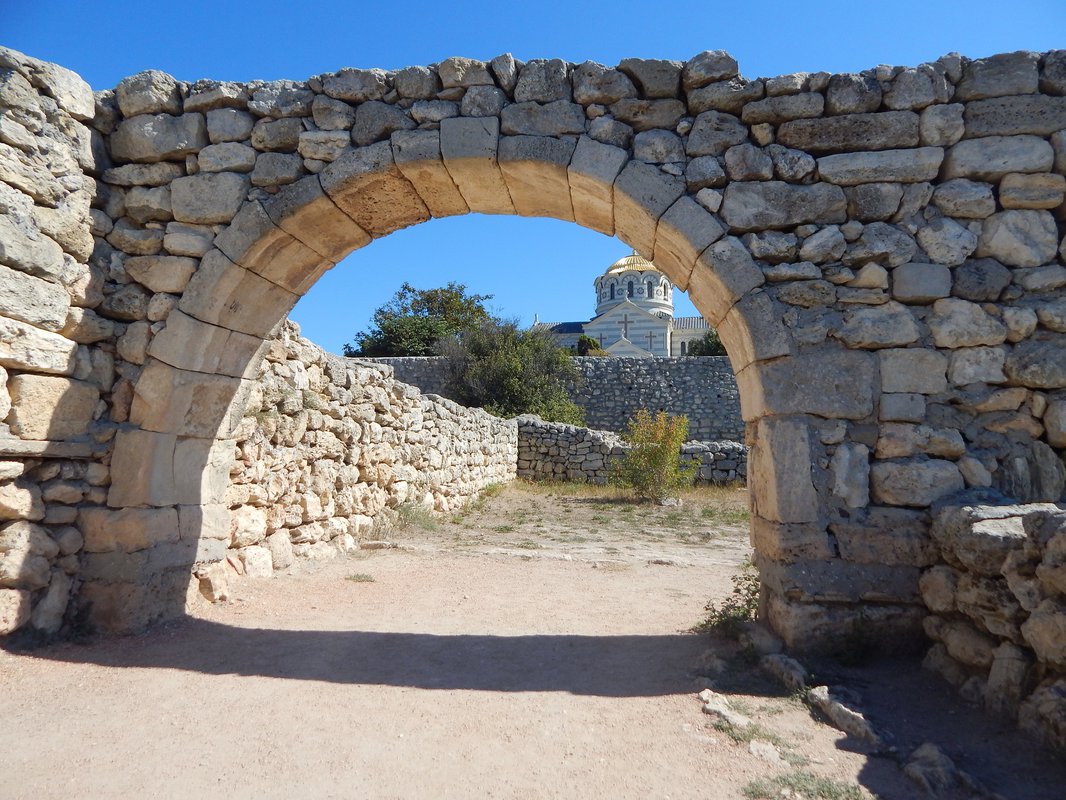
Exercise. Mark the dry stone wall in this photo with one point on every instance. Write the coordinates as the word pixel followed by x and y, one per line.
pixel 329 448
pixel 612 390
pixel 881 252
pixel 998 609
pixel 555 451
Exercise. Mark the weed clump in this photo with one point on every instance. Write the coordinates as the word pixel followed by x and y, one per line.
pixel 742 605
pixel 652 467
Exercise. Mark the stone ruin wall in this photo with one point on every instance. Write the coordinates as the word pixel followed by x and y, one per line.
pixel 881 252
pixel 997 603
pixel 555 451
pixel 330 447
pixel 612 390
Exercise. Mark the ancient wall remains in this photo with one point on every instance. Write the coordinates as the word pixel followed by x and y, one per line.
pixel 555 451
pixel 330 447
pixel 997 608
pixel 612 390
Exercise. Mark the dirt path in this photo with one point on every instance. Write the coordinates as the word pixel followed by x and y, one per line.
pixel 535 647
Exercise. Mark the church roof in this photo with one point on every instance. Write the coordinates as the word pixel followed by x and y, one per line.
pixel 689 323
pixel 631 262
pixel 562 327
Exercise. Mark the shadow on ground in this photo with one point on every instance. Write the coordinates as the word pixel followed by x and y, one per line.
pixel 604 666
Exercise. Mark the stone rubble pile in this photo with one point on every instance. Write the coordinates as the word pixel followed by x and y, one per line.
pixel 997 610
pixel 555 451
pixel 329 448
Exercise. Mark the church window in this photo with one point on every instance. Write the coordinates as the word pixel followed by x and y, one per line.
pixel 684 348
pixel 612 291
pixel 629 289
pixel 651 289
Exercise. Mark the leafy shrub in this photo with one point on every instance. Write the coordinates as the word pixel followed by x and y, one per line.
pixel 709 345
pixel 742 605
pixel 652 467
pixel 587 346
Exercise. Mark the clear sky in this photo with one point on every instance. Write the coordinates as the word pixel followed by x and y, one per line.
pixel 529 265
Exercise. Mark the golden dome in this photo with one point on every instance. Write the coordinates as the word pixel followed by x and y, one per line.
pixel 631 262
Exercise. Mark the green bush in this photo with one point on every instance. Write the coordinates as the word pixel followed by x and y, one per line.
pixel 652 467
pixel 709 345
pixel 509 371
pixel 587 346
pixel 741 606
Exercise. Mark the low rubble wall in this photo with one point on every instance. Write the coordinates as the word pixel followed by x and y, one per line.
pixel 556 451
pixel 997 610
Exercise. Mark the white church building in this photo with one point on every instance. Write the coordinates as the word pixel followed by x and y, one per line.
pixel 634 314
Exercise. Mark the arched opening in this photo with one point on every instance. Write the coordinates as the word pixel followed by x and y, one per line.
pixel 629 288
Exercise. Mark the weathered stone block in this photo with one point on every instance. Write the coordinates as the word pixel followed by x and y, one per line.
pixel 49 407
pixel 208 198
pixel 851 132
pixel 1038 363
pixel 920 283
pixel 642 193
pixel 535 170
pixel 127 530
pixel 592 172
pixel 889 325
pixel 992 157
pixel 1019 238
pixel 774 204
pixel 917 482
pixel 902 166
pixel 158 137
pixel 643 115
pixel 845 389
pixel 725 273
pixel 683 233
pixel 552 119
pixel 469 147
pixel 1004 74
pixel 780 463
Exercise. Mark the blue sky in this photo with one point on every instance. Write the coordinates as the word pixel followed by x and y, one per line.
pixel 529 265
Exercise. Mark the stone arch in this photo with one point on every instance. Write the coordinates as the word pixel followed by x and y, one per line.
pixel 880 253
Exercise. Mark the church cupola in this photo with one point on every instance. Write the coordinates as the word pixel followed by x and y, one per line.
pixel 635 279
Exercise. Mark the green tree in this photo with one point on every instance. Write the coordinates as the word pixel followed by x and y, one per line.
pixel 509 371
pixel 652 466
pixel 709 345
pixel 587 346
pixel 414 321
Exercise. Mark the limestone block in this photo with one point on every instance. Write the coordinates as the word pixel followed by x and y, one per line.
pixel 535 171
pixel 542 81
pixel 206 95
pixel 552 119
pixel 276 169
pixel 21 569
pixel 592 172
pixel 1019 238
pixel 789 542
pixel 307 214
pixel 1038 363
pixel 941 125
pixel 217 350
pixel 946 242
pixel 229 125
pixel 891 536
pixel 162 273
pixel 901 407
pixel 900 440
pixel 481 101
pixel 280 547
pixel 708 67
pixel 1008 679
pixel 873 201
pixel 659 147
pixel 845 389
pixel 938 587
pixel 226 294
pixel 182 239
pixel 889 325
pixel 977 365
pixel 850 467
pixel 724 273
pixel 28 251
pixel 332 115
pixel 774 204
pixel 746 162
pixel 505 69
pixel 170 400
pixel 469 146
pixel 40 303
pixel 839 581
pixel 225 157
pixel 1020 322
pixel 142 470
pixel 1004 74
pixel 257 244
pixel 1010 116
pixel 356 85
pixel 209 197
pixel 726 95
pixel 1042 191
pixel 158 137
pixel 14 610
pixel 852 94
pixel 919 284
pixel 780 463
pixel 683 233
pixel 992 157
pixel 902 166
pixel 782 109
pixel 644 115
pixel 981 280
pixel 127 530
pixel 462 72
pixel 21 501
pixel 595 83
pixel 1055 423
pixel 917 482
pixel 714 132
pixel 959 323
pixel 50 407
pixel 257 561
pixel 22 537
pixel 1045 633
pixel 851 132
pixel 204 521
pixel 281 99
pixel 248 526
pixel 642 194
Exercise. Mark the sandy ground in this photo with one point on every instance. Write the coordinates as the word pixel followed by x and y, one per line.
pixel 535 647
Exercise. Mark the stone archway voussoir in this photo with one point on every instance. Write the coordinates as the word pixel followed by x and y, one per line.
pixel 307 213
pixel 470 148
pixel 535 170
pixel 171 400
pixel 723 274
pixel 683 233
pixel 642 194
pixel 190 344
pixel 418 156
pixel 592 172
pixel 752 331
